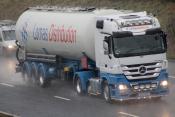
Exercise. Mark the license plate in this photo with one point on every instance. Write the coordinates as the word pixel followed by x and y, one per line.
pixel 145 94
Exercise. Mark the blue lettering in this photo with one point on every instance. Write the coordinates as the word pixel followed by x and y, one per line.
pixel 40 33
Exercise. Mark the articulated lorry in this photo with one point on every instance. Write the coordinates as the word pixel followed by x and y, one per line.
pixel 118 54
pixel 7 37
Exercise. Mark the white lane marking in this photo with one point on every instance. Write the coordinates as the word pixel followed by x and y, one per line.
pixel 130 115
pixel 62 98
pixel 8 85
pixel 173 77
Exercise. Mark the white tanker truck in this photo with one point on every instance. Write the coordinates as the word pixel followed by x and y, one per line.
pixel 118 54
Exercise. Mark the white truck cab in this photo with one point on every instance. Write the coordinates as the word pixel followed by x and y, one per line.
pixel 134 46
pixel 7 37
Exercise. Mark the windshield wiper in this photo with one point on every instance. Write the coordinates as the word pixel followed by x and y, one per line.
pixel 117 52
pixel 154 49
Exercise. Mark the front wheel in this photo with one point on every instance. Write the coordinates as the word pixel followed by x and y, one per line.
pixel 106 92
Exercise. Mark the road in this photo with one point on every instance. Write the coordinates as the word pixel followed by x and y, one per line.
pixel 60 100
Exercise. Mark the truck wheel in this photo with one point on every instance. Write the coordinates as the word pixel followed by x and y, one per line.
pixel 89 89
pixel 34 75
pixel 78 87
pixel 106 92
pixel 26 72
pixel 43 81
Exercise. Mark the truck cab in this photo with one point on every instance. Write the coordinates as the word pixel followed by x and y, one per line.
pixel 131 56
pixel 7 37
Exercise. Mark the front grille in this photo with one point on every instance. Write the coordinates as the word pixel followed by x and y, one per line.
pixel 152 70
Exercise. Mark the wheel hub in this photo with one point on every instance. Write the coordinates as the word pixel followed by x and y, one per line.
pixel 78 88
pixel 41 80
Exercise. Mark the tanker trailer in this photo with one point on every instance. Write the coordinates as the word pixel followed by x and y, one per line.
pixel 118 54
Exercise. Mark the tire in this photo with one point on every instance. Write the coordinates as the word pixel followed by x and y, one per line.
pixel 26 72
pixel 78 87
pixel 34 76
pixel 89 88
pixel 106 92
pixel 43 80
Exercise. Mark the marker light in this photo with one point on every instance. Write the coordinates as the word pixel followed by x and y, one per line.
pixel 136 87
pixel 142 86
pixel 122 87
pixel 164 83
pixel 148 86
pixel 154 85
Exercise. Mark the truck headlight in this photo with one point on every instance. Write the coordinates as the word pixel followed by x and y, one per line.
pixel 10 46
pixel 122 87
pixel 164 83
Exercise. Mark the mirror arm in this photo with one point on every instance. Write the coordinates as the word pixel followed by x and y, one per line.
pixel 106 33
pixel 110 57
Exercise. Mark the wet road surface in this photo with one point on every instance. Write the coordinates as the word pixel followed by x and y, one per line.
pixel 60 100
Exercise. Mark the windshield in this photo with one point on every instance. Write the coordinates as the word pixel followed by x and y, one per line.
pixel 9 35
pixel 138 45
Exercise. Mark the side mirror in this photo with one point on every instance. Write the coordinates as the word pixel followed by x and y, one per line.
pixel 106 48
pixel 165 41
pixel 100 24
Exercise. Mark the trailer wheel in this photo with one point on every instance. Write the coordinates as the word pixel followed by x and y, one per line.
pixel 26 72
pixel 34 75
pixel 43 81
pixel 106 92
pixel 78 86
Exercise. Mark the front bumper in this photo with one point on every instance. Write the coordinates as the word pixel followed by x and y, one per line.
pixel 131 93
pixel 148 95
